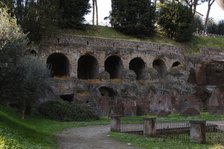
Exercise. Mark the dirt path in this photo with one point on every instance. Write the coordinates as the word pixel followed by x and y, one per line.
pixel 92 137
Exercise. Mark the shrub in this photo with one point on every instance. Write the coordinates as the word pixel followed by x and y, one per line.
pixel 65 111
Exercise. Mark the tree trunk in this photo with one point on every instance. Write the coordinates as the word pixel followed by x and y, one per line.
pixel 195 6
pixel 93 17
pixel 23 109
pixel 210 2
pixel 96 12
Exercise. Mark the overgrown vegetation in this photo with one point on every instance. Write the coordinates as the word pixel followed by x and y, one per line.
pixel 22 77
pixel 65 111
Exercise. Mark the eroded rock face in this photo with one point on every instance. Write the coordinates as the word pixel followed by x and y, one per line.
pixel 185 102
pixel 216 101
pixel 190 112
pixel 129 75
pixel 210 73
pixel 160 103
pixel 201 74
pixel 215 73
pixel 104 75
pixel 163 113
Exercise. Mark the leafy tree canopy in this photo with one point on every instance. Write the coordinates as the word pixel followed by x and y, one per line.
pixel 176 20
pixel 22 77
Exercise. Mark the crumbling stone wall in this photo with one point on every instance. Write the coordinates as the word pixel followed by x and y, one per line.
pixel 119 76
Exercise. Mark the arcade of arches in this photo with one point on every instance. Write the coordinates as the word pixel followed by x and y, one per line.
pixel 88 66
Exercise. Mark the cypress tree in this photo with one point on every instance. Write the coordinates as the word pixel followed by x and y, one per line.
pixel 133 17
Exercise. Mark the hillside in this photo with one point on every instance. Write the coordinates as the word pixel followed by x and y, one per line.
pixel 192 47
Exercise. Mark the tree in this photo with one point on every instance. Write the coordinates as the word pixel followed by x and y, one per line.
pixel 220 27
pixel 193 4
pixel 35 16
pixel 22 78
pixel 210 2
pixel 212 26
pixel 135 17
pixel 176 20
pixel 72 12
pixel 198 24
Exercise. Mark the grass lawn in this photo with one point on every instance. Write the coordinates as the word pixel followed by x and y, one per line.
pixel 160 143
pixel 33 133
pixel 168 143
pixel 40 133
pixel 174 118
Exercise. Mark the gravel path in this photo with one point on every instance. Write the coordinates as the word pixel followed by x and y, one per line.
pixel 92 137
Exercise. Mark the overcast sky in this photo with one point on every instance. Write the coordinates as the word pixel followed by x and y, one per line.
pixel 104 7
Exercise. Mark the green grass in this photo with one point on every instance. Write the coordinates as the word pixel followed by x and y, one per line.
pixel 40 133
pixel 174 118
pixel 110 33
pixel 169 142
pixel 197 43
pixel 33 132
pixel 160 143
pixel 193 47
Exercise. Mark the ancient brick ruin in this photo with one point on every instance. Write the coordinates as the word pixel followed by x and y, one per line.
pixel 127 77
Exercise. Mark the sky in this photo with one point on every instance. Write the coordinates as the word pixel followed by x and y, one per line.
pixel 104 7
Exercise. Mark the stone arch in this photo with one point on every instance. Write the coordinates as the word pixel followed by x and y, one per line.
pixel 107 91
pixel 33 52
pixel 113 65
pixel 160 66
pixel 138 66
pixel 88 67
pixel 58 63
pixel 176 64
pixel 67 97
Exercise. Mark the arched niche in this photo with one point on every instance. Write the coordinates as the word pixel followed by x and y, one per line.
pixel 138 66
pixel 113 65
pixel 58 63
pixel 107 91
pixel 88 67
pixel 176 64
pixel 160 66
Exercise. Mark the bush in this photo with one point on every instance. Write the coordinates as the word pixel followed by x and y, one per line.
pixel 65 111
